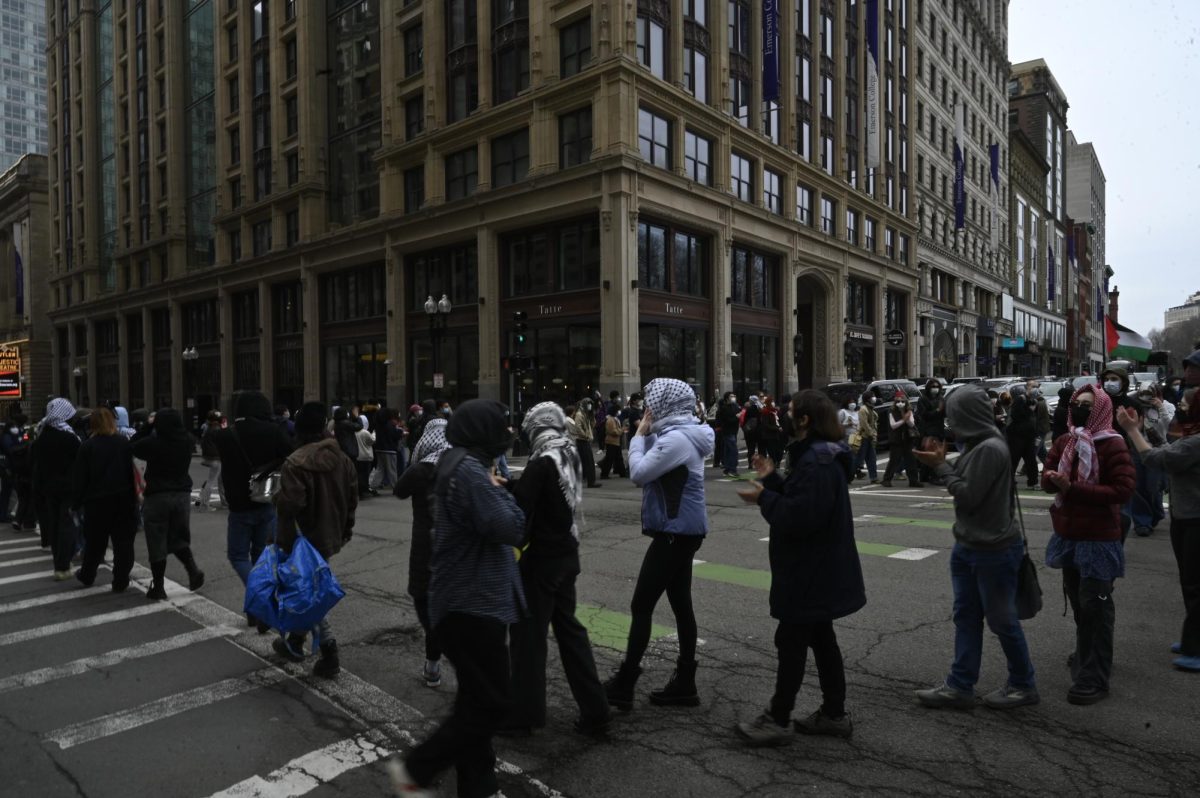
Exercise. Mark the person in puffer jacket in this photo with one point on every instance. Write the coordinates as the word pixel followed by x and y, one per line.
pixel 666 459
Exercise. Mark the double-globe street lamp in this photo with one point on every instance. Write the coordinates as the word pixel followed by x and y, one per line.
pixel 439 315
pixel 190 356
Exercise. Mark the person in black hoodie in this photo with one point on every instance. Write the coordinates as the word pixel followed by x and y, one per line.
pixel 550 492
pixel 1062 413
pixel 816 576
pixel 416 483
pixel 16 446
pixel 167 509
pixel 253 444
pixel 54 453
pixel 727 431
pixel 103 488
pixel 931 420
pixel 1021 434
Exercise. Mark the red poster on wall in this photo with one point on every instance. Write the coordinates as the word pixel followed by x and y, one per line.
pixel 10 373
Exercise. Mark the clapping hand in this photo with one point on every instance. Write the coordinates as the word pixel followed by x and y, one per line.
pixel 1058 479
pixel 1127 418
pixel 763 466
pixel 934 453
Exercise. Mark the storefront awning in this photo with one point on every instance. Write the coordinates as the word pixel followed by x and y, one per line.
pixel 1125 344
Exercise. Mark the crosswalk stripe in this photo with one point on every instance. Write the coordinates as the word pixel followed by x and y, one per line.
pixel 15 541
pixel 877 549
pixel 169 706
pixel 53 598
pixel 33 678
pixel 913 554
pixel 307 772
pixel 84 623
pixel 9 580
pixel 27 548
pixel 22 561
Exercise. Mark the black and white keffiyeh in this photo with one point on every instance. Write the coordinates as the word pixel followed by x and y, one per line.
pixel 671 403
pixel 546 427
pixel 59 413
pixel 432 443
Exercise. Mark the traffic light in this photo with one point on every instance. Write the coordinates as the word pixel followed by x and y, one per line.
pixel 519 327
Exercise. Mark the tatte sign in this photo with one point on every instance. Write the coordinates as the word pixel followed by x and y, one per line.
pixel 10 373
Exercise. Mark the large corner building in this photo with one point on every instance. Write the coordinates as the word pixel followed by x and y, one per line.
pixel 266 195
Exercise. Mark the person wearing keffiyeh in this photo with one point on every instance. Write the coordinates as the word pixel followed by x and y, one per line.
pixel 550 491
pixel 416 483
pixel 1090 470
pixel 53 454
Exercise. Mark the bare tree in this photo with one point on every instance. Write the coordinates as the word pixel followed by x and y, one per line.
pixel 1178 340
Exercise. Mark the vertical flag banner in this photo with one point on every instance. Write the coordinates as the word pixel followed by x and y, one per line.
pixel 1050 273
pixel 19 267
pixel 960 171
pixel 994 154
pixel 873 141
pixel 1099 304
pixel 770 49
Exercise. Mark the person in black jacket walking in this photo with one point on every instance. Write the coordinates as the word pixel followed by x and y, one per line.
pixel 166 511
pixel 103 488
pixel 252 444
pixel 54 453
pixel 550 492
pixel 416 483
pixel 17 448
pixel 1021 434
pixel 728 424
pixel 931 421
pixel 816 576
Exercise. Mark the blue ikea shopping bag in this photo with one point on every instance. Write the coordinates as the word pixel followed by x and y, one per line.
pixel 292 594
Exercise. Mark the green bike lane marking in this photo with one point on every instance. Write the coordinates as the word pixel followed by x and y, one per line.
pixel 611 629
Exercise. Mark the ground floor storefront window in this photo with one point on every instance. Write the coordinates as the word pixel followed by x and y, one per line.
pixel 679 353
pixel 354 371
pixel 456 359
pixel 567 365
pixel 755 364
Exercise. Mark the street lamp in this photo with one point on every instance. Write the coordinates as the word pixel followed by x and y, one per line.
pixel 439 315
pixel 190 356
pixel 78 373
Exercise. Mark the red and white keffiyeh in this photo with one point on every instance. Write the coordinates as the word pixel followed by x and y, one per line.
pixel 1081 447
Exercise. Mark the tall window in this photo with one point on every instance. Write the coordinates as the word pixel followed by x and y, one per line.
pixel 354 115
pixel 575 47
pixel 510 48
pixel 804 199
pixel 1034 255
pixel 414 189
pixel 414 116
pixel 869 226
pixel 1019 254
pixel 652 44
pixel 561 257
pixel 654 138
pixel 852 226
pixel 414 50
pixel 741 177
pixel 697 157
pixel 772 191
pixel 739 100
pixel 671 260
pixel 695 73
pixel 510 158
pixel 462 173
pixel 575 137
pixel 828 220
pixel 462 77
pixel 753 277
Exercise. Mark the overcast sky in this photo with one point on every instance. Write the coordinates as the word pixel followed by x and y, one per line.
pixel 1131 73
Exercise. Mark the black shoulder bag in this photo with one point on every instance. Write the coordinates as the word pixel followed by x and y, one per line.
pixel 1029 592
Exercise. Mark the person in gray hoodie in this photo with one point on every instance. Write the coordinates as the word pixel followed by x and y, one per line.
pixel 666 459
pixel 988 548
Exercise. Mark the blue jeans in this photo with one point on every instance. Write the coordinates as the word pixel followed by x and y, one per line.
pixel 249 532
pixel 502 465
pixel 985 586
pixel 729 458
pixel 866 454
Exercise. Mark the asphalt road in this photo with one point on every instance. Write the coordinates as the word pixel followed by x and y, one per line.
pixel 104 694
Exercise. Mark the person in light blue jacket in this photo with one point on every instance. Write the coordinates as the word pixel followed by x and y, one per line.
pixel 666 460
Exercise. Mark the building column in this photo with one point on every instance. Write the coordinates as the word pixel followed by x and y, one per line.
pixel 225 346
pixel 397 344
pixel 836 328
pixel 881 330
pixel 483 36
pixel 490 341
pixel 619 369
pixel 147 362
pixel 311 333
pixel 789 375
pixel 721 312
pixel 266 341
pixel 675 45
pixel 178 399
pixel 123 361
pixel 90 378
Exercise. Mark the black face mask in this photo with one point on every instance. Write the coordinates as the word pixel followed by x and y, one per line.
pixel 1080 416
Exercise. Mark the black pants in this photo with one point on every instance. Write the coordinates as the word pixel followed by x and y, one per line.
pixel 1095 615
pixel 58 529
pixel 588 460
pixel 792 641
pixel 666 568
pixel 6 491
pixel 26 516
pixel 550 596
pixel 613 461
pixel 433 651
pixel 363 469
pixel 900 455
pixel 1185 539
pixel 476 648
pixel 753 445
pixel 1024 447
pixel 773 448
pixel 109 518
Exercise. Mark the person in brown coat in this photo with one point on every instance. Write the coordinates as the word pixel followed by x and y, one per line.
pixel 318 494
pixel 613 460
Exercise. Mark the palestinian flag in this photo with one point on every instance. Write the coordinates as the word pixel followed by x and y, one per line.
pixel 1125 344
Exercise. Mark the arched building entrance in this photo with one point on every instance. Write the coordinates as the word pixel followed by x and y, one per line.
pixel 812 345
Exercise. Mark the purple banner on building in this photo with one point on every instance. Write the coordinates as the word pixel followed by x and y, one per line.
pixel 1071 252
pixel 1050 275
pixel 994 155
pixel 960 171
pixel 873 138
pixel 770 48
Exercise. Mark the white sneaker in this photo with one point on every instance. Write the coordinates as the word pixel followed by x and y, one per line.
pixel 764 731
pixel 403 783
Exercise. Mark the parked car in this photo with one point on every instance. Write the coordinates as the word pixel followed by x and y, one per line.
pixel 1139 379
pixel 962 380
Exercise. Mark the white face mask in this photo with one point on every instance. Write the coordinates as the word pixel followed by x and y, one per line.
pixel 852 406
pixel 1112 387
pixel 934 391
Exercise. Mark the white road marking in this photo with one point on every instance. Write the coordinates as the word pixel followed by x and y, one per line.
pixel 53 598
pixel 84 623
pixel 107 725
pixel 765 540
pixel 22 561
pixel 913 554
pixel 27 548
pixel 699 562
pixel 307 772
pixel 15 541
pixel 43 675
pixel 8 580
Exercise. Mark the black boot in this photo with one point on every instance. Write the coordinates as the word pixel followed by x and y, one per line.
pixel 328 666
pixel 681 690
pixel 619 688
pixel 195 575
pixel 158 570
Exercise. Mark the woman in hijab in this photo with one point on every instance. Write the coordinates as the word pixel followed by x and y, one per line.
pixel 417 483
pixel 474 596
pixel 1093 476
pixel 1180 460
pixel 167 510
pixel 550 492
pixel 666 459
pixel 902 436
pixel 104 490
pixel 54 451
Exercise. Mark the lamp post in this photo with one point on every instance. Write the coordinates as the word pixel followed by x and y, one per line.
pixel 190 356
pixel 439 315
pixel 78 374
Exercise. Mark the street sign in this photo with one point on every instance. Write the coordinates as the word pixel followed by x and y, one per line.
pixel 10 372
pixel 895 337
pixel 439 380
